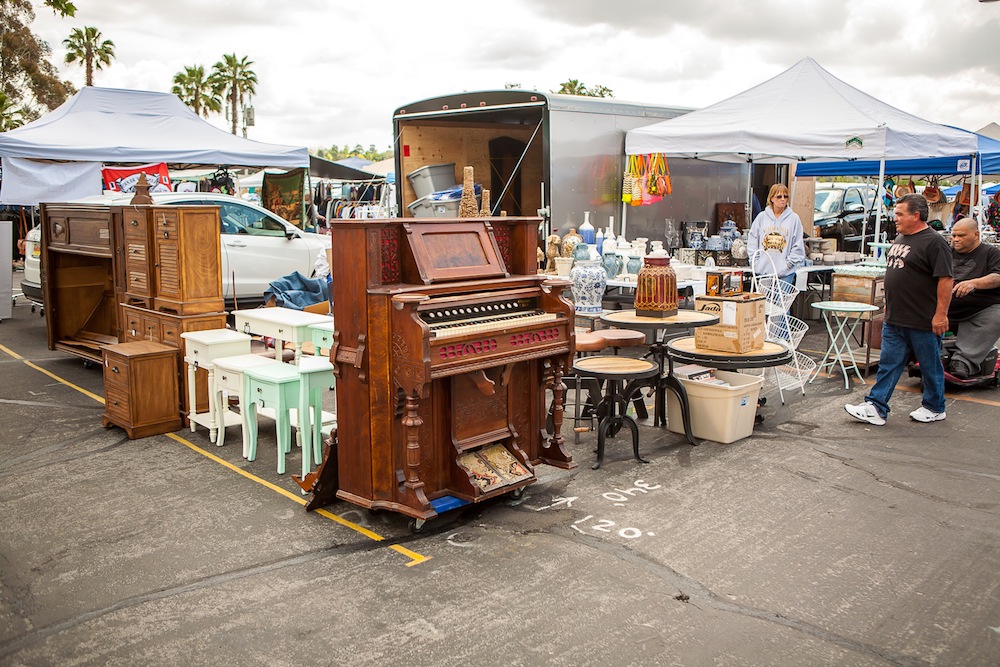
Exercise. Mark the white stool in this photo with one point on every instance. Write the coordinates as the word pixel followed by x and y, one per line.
pixel 229 378
pixel 201 348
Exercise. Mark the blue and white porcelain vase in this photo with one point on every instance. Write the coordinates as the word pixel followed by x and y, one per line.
pixel 589 280
pixel 729 233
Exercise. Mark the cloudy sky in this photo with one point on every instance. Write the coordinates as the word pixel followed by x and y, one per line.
pixel 333 72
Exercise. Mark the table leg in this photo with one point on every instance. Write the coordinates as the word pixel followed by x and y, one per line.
pixel 192 400
pixel 213 424
pixel 617 417
pixel 680 392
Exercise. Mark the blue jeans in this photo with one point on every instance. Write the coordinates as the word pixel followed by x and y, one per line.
pixel 898 343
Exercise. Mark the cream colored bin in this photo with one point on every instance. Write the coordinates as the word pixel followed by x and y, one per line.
pixel 721 414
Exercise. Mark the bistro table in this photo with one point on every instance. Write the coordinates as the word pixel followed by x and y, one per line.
pixel 771 354
pixel 842 319
pixel 659 326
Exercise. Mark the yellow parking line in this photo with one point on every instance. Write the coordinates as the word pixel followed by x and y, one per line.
pixel 415 558
pixel 99 399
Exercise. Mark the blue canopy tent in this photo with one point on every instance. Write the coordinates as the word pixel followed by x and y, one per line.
pixel 988 162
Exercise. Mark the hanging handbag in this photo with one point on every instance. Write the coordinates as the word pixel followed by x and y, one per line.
pixel 932 193
pixel 664 185
pixel 627 180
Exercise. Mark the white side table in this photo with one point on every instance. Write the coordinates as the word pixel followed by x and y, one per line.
pixel 281 324
pixel 229 379
pixel 201 348
pixel 841 318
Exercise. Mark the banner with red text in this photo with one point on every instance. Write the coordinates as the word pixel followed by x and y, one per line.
pixel 124 179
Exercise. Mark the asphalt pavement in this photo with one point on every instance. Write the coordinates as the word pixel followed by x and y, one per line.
pixel 816 541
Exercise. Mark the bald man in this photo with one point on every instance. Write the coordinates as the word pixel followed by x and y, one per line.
pixel 975 303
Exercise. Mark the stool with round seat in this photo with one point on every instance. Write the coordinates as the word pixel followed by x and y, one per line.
pixel 586 342
pixel 616 371
pixel 619 338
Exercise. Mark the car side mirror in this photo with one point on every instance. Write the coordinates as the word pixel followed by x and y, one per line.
pixel 291 234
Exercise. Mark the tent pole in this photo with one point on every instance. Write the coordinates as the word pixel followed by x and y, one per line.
pixel 624 218
pixel 878 211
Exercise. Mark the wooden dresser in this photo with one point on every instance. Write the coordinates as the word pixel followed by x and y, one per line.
pixel 172 258
pixel 140 388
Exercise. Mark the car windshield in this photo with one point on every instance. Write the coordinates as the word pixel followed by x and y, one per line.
pixel 827 201
pixel 239 219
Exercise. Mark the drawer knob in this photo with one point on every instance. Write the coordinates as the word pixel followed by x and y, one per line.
pixel 135 223
pixel 114 369
pixel 225 377
pixel 114 402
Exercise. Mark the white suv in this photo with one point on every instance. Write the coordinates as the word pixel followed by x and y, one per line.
pixel 258 247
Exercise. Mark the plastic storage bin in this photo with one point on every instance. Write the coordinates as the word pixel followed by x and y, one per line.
pixel 720 414
pixel 431 178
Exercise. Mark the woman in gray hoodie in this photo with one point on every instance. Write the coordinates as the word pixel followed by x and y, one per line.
pixel 777 231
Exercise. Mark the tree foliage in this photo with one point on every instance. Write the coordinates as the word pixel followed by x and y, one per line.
pixel 197 90
pixel 28 80
pixel 233 78
pixel 576 87
pixel 339 153
pixel 87 47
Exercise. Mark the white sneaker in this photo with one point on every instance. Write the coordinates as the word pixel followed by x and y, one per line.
pixel 922 414
pixel 866 412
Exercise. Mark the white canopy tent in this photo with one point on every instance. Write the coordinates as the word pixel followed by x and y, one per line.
pixel 804 113
pixel 107 125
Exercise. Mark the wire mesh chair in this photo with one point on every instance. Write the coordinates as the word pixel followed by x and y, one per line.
pixel 780 327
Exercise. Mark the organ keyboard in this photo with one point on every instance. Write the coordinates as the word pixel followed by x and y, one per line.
pixel 445 343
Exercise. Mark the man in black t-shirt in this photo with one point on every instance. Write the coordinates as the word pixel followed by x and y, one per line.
pixel 918 286
pixel 975 303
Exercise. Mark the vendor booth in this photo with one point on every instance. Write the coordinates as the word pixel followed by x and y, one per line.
pixel 803 114
pixel 106 125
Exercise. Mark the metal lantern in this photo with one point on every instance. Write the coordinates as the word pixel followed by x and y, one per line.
pixel 656 288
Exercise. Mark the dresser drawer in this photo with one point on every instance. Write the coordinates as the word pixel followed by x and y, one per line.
pixel 164 221
pixel 231 381
pixel 116 402
pixel 115 371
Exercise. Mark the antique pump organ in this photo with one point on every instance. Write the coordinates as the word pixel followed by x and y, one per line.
pixel 445 343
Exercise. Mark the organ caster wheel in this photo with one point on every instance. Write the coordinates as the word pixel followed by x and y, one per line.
pixel 32 307
pixel 517 494
pixel 416 526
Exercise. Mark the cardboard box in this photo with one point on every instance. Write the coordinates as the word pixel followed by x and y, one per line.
pixel 741 323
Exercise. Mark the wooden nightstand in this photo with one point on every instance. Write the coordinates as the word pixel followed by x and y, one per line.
pixel 140 388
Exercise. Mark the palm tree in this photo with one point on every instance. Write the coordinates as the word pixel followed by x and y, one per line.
pixel 197 91
pixel 234 77
pixel 86 45
pixel 10 115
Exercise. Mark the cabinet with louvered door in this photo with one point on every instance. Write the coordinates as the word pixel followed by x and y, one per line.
pixel 186 259
pixel 136 246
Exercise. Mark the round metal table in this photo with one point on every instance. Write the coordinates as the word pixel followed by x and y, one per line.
pixel 663 380
pixel 841 319
pixel 772 354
